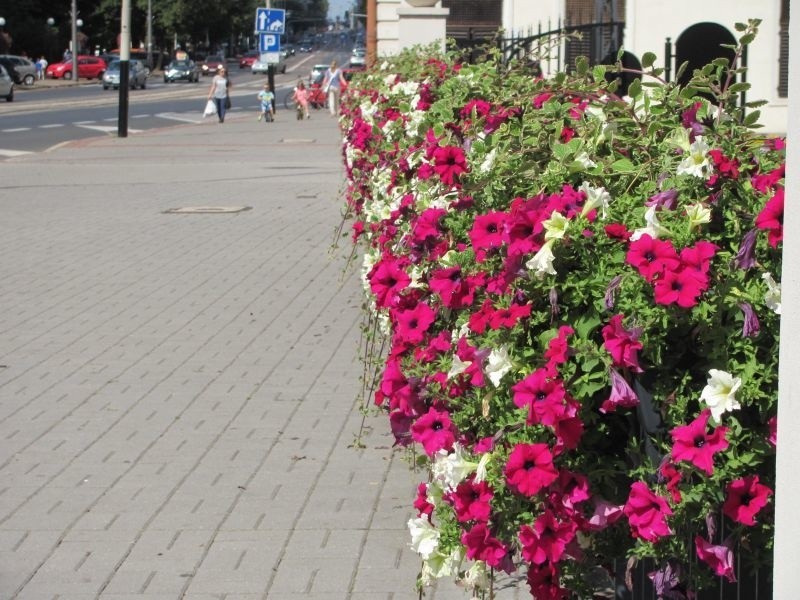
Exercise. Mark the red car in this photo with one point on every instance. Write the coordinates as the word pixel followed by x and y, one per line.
pixel 210 65
pixel 89 67
pixel 248 60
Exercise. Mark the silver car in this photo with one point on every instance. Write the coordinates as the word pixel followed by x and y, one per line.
pixel 6 85
pixel 262 66
pixel 137 75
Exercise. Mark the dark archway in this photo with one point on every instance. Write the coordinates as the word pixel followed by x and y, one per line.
pixel 699 45
pixel 629 61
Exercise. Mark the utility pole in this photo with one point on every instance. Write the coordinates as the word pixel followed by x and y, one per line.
pixel 74 40
pixel 124 65
pixel 150 34
pixel 270 70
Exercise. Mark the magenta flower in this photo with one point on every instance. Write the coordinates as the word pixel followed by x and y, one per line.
pixel 679 287
pixel 471 500
pixel 647 513
pixel 622 394
pixel 652 257
pixel 547 540
pixel 719 558
pixel 487 232
pixel 421 501
pixel 544 582
pixel 387 280
pixel 449 163
pixel 622 344
pixel 530 468
pixel 746 497
pixel 544 397
pixel 771 218
pixel 412 324
pixel 482 545
pixel 435 431
pixel 692 443
pixel 454 288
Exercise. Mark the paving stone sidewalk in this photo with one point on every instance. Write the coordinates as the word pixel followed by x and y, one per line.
pixel 179 392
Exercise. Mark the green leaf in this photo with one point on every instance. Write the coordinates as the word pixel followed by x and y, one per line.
pixel 738 87
pixel 648 60
pixel 747 38
pixel 582 65
pixel 585 324
pixel 599 73
pixel 635 88
pixel 740 27
pixel 720 62
pixel 752 118
pixel 623 165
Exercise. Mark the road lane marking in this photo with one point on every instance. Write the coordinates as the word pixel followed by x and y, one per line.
pixel 106 129
pixel 180 117
pixel 13 153
pixel 51 126
pixel 15 130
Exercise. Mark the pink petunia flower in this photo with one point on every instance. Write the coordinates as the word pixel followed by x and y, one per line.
pixel 622 394
pixel 652 257
pixel 679 287
pixel 647 513
pixel 719 558
pixel 449 163
pixel 622 344
pixel 544 397
pixel 482 545
pixel 421 501
pixel 387 280
pixel 487 232
pixel 544 583
pixel 530 468
pixel 692 443
pixel 771 218
pixel 547 540
pixel 412 324
pixel 435 431
pixel 746 497
pixel 471 500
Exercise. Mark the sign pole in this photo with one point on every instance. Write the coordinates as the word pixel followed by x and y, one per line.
pixel 271 75
pixel 124 62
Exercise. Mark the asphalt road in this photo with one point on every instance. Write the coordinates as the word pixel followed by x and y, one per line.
pixel 43 118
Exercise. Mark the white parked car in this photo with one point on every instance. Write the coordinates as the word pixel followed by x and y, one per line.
pixel 262 66
pixel 6 85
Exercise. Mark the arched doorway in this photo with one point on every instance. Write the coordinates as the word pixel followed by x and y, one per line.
pixel 699 45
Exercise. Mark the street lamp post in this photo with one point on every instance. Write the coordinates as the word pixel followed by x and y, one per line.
pixel 74 40
pixel 3 35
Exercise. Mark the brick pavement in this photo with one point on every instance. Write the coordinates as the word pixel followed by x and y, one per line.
pixel 178 393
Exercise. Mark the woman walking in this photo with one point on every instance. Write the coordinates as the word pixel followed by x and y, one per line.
pixel 333 84
pixel 219 92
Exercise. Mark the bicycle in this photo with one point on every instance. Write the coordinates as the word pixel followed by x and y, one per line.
pixel 316 98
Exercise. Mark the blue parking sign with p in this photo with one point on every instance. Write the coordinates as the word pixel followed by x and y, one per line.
pixel 269 42
pixel 271 20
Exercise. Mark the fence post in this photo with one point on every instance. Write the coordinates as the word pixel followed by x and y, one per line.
pixel 667 59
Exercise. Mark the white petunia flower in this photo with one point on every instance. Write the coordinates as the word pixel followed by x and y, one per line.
pixel 483 465
pixel 653 228
pixel 451 468
pixel 458 367
pixel 488 161
pixel 556 226
pixel 440 565
pixel 698 214
pixel 476 577
pixel 542 261
pixel 424 537
pixel 497 365
pixel 773 296
pixel 596 198
pixel 720 392
pixel 696 162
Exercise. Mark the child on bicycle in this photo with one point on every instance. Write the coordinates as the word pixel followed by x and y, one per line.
pixel 301 97
pixel 266 97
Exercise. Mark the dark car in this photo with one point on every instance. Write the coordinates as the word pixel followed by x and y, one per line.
pixel 211 64
pixel 21 69
pixel 182 70
pixel 306 45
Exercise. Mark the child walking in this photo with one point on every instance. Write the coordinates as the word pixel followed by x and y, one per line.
pixel 266 97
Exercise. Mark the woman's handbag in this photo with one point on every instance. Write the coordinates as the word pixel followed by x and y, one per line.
pixel 227 102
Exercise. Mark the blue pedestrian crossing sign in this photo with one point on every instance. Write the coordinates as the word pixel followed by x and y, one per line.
pixel 269 42
pixel 271 20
